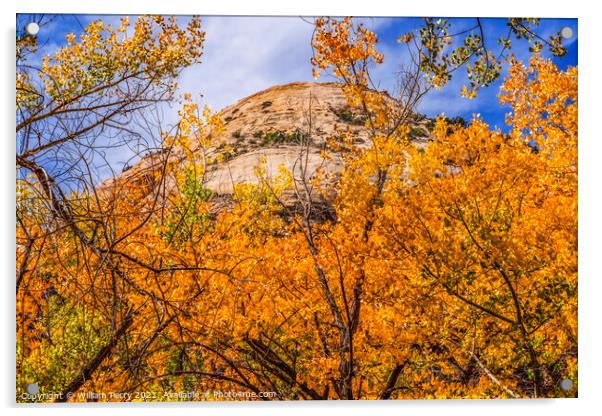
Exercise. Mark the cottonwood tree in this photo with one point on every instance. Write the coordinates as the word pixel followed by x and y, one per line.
pixel 492 220
pixel 73 107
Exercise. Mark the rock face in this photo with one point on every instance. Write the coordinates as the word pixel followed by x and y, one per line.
pixel 222 178
pixel 299 106
pixel 283 125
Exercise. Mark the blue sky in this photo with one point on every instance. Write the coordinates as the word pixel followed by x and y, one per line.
pixel 246 54
pixel 485 104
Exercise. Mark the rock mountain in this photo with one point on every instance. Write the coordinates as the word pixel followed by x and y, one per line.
pixel 272 125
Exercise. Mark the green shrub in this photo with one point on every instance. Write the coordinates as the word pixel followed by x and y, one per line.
pixel 347 116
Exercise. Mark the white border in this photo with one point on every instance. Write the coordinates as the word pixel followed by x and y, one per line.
pixel 590 231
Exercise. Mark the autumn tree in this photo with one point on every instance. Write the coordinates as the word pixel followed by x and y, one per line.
pixel 491 218
pixel 73 105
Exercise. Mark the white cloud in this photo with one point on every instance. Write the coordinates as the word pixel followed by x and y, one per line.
pixel 243 55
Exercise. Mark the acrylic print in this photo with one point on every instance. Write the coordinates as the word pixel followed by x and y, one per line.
pixel 226 208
